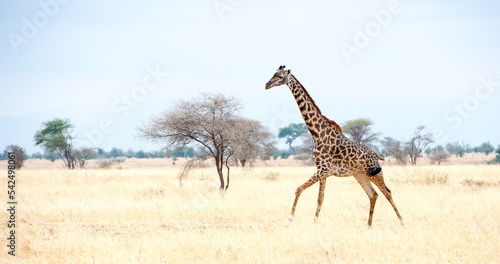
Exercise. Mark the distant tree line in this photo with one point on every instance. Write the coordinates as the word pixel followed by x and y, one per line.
pixel 210 127
pixel 404 151
pixel 359 130
pixel 440 154
pixel 186 152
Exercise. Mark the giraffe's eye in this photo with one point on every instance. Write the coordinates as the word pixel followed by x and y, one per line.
pixel 281 77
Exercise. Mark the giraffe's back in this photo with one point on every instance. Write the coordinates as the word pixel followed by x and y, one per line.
pixel 343 157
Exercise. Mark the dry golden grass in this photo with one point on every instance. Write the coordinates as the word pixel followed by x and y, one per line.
pixel 142 216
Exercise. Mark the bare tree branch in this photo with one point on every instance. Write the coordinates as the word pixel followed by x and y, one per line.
pixel 417 144
pixel 210 121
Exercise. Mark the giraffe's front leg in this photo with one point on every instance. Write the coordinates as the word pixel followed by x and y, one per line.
pixel 299 190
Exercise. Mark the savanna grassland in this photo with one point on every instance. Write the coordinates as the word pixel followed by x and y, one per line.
pixel 142 215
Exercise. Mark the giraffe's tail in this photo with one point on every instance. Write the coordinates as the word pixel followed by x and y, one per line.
pixel 374 172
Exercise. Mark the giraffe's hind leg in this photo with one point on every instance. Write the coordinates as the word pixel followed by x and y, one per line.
pixel 378 180
pixel 300 189
pixel 364 181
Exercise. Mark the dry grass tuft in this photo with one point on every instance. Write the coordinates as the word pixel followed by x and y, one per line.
pixel 421 175
pixel 272 175
pixel 149 193
pixel 479 183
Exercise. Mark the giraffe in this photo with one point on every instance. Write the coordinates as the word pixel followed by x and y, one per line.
pixel 334 154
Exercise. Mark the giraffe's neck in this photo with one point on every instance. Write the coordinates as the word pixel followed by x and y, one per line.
pixel 313 118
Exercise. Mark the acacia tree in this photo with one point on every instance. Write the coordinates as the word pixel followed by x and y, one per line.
pixel 249 140
pixel 82 155
pixel 456 148
pixel 55 136
pixel 396 148
pixel 210 122
pixel 292 132
pixel 486 148
pixel 307 147
pixel 360 131
pixel 20 154
pixel 497 157
pixel 439 155
pixel 418 143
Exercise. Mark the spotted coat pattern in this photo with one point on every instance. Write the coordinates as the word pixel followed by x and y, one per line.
pixel 334 154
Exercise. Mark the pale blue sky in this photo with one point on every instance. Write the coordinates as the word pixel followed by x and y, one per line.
pixel 432 63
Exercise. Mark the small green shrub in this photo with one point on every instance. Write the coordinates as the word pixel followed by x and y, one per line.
pixel 272 176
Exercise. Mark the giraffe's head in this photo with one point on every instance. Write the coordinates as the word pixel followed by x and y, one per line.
pixel 279 78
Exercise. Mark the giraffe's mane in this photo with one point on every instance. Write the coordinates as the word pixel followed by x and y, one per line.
pixel 317 108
